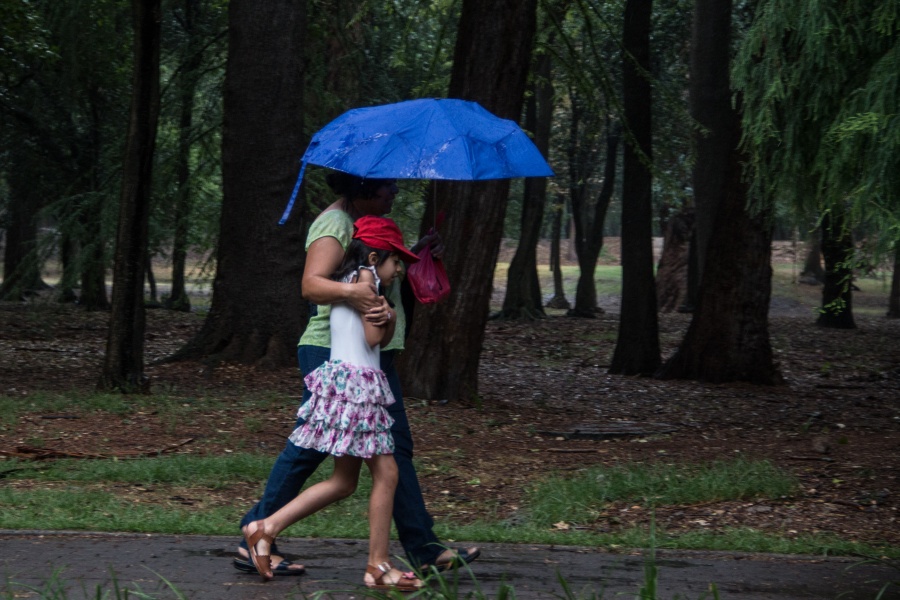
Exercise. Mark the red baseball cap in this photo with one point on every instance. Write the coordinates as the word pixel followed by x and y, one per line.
pixel 382 233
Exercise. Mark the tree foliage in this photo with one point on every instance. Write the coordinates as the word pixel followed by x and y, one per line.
pixel 821 87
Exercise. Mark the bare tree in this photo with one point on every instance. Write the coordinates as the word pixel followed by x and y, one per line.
pixel 123 365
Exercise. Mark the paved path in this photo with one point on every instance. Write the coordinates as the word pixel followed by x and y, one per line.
pixel 199 567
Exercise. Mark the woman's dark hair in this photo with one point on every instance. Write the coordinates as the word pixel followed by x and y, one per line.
pixel 350 186
pixel 356 255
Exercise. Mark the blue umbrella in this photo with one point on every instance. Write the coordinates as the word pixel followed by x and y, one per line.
pixel 424 139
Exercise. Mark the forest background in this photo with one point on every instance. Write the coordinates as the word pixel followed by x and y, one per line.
pixel 135 132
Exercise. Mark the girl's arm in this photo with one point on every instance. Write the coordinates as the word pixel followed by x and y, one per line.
pixel 377 334
pixel 324 257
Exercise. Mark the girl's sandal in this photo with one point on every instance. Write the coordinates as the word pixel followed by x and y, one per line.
pixel 408 582
pixel 262 562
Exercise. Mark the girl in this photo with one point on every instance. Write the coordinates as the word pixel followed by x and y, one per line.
pixel 346 415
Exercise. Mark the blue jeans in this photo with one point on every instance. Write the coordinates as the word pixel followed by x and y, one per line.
pixel 294 466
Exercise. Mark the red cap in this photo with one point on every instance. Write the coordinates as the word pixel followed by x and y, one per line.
pixel 382 233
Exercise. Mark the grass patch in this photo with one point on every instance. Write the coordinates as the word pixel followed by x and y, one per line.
pixel 582 498
pixel 166 405
pixel 101 496
pixel 211 471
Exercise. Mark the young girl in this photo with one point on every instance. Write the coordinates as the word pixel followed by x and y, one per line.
pixel 346 415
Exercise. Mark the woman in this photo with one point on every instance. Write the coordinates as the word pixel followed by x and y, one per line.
pixel 328 238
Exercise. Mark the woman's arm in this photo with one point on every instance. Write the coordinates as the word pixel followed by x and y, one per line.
pixel 324 257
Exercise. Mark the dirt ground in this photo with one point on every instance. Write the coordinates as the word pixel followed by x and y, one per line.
pixel 546 406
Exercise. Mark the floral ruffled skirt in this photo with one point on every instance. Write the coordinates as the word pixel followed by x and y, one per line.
pixel 346 413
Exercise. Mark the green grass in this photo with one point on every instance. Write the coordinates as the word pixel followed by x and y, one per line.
pixel 108 495
pixel 214 472
pixel 166 404
pixel 583 497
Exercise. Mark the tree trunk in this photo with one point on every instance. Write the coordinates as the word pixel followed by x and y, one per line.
pixel 894 298
pixel 490 66
pixel 589 232
pixel 672 272
pixel 523 289
pixel 153 300
pixel 710 87
pixel 21 266
pixel 68 251
pixel 812 272
pixel 559 293
pixel 637 345
pixel 257 311
pixel 837 293
pixel 728 337
pixel 187 83
pixel 123 365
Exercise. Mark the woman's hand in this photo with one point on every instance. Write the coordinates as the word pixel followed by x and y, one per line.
pixel 364 298
pixel 434 239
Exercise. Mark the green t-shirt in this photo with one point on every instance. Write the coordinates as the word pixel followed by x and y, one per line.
pixel 339 225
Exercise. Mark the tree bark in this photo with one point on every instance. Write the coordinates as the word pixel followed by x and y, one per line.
pixel 637 345
pixel 672 272
pixel 123 365
pixel 523 289
pixel 187 84
pixel 837 292
pixel 257 311
pixel 588 231
pixel 728 337
pixel 558 300
pixel 490 66
pixel 710 87
pixel 812 263
pixel 894 297
pixel 21 266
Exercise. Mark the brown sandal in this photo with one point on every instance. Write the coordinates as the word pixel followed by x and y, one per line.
pixel 262 562
pixel 408 582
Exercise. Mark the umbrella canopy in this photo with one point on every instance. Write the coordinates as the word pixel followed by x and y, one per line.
pixel 429 138
pixel 426 139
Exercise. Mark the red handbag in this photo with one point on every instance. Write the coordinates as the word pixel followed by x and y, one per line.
pixel 428 278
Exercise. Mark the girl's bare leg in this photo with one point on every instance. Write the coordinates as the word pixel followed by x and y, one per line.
pixel 341 484
pixel 381 504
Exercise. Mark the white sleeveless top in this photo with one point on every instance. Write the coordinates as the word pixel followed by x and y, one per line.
pixel 348 338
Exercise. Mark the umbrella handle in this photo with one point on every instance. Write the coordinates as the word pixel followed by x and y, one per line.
pixel 290 205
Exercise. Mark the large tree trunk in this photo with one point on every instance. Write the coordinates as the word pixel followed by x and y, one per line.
pixel 637 345
pixel 257 311
pixel 123 365
pixel 728 338
pixel 523 289
pixel 710 87
pixel 490 66
pixel 837 292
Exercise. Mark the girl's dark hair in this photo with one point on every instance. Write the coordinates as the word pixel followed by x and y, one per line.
pixel 356 255
pixel 350 186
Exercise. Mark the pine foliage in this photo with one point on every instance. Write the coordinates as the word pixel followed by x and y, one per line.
pixel 820 81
